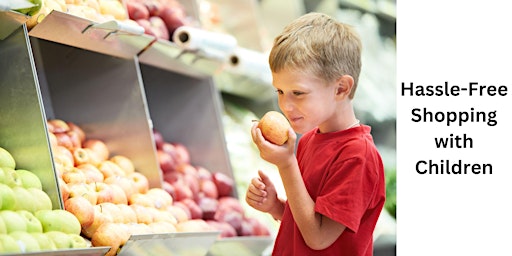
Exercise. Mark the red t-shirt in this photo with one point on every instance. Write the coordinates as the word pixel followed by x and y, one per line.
pixel 344 175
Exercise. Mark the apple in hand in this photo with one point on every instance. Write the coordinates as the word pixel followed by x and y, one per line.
pixel 58 220
pixel 29 179
pixel 274 127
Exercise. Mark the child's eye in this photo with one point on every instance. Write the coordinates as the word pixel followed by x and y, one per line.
pixel 279 91
pixel 296 93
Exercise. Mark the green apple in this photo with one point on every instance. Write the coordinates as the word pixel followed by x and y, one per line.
pixel 9 244
pixel 33 224
pixel 3 228
pixel 6 159
pixel 11 177
pixel 24 199
pixel 26 241
pixel 41 198
pixel 29 179
pixel 78 241
pixel 60 239
pixel 8 197
pixel 59 220
pixel 45 242
pixel 13 221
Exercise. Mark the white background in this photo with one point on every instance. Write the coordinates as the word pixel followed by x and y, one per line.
pixel 459 42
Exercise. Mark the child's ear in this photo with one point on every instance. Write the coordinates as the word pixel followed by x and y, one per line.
pixel 344 86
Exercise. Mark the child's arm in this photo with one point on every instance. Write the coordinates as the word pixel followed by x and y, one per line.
pixel 318 231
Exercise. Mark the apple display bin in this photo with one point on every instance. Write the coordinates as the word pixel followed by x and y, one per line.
pixel 23 129
pixel 243 246
pixel 180 243
pixel 92 251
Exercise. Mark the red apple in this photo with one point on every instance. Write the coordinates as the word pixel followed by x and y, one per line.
pixel 183 153
pixel 209 207
pixel 92 173
pixel 180 213
pixel 246 228
pixel 74 175
pixel 159 138
pixel 75 128
pixel 142 213
pixel 224 184
pixel 141 182
pixel 127 184
pixel 109 169
pixel 118 194
pixel 183 207
pixel 259 228
pixel 208 188
pixel 74 137
pixel 230 204
pixel 169 188
pixel 173 18
pixel 100 218
pixel 124 162
pixel 148 29
pixel 165 161
pixel 159 27
pixel 225 229
pixel 203 173
pixel 57 126
pixel 233 218
pixel 195 211
pixel 80 156
pixel 137 10
pixel 99 147
pixel 182 191
pixel 83 190
pixel 63 189
pixel 154 7
pixel 82 209
pixel 141 199
pixel 64 140
pixel 161 199
pixel 103 191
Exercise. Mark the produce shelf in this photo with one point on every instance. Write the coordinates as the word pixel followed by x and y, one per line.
pixel 10 21
pixel 243 246
pixel 109 38
pixel 92 251
pixel 23 130
pixel 180 243
pixel 167 55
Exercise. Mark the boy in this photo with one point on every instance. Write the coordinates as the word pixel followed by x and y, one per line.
pixel 335 185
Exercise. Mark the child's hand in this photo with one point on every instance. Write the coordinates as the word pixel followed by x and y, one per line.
pixel 272 153
pixel 261 194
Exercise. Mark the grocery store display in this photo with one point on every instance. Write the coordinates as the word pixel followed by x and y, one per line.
pixel 203 194
pixel 28 222
pixel 274 127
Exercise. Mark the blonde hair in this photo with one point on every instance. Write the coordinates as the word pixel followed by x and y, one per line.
pixel 319 45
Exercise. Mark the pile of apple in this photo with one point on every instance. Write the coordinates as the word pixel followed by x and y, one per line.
pixel 110 199
pixel 28 222
pixel 204 195
pixel 159 18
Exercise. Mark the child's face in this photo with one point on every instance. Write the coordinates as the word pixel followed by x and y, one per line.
pixel 305 100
